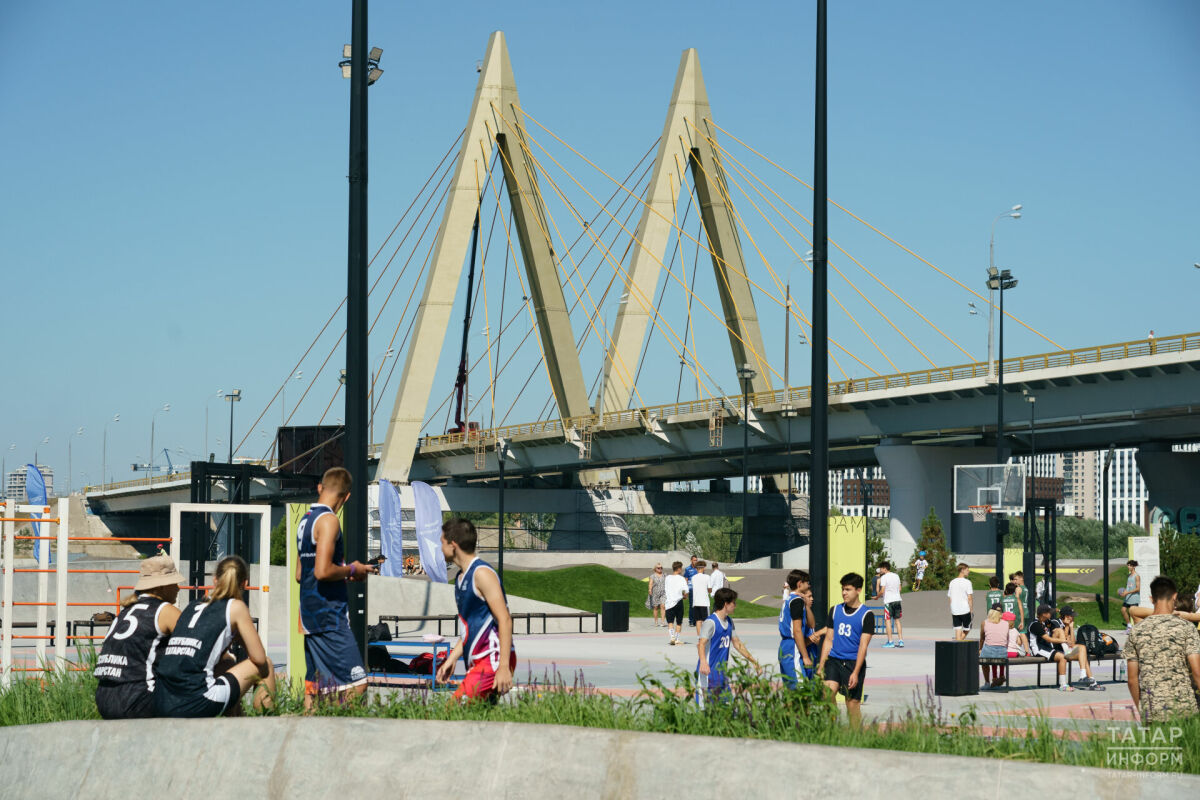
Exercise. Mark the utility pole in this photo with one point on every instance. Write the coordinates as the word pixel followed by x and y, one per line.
pixel 818 503
pixel 355 441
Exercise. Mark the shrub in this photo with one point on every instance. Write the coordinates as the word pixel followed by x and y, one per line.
pixel 941 569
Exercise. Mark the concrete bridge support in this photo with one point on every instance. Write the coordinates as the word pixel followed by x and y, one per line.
pixel 1173 483
pixel 920 477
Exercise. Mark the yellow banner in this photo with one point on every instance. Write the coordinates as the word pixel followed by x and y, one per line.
pixel 847 553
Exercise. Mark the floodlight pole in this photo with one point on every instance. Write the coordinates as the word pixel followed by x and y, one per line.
pixel 1108 459
pixel 355 441
pixel 818 505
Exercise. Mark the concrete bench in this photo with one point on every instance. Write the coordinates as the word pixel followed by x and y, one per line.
pixel 1040 662
pixel 529 616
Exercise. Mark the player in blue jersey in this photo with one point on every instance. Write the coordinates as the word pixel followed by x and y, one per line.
pixel 333 661
pixel 794 657
pixel 487 625
pixel 712 650
pixel 844 655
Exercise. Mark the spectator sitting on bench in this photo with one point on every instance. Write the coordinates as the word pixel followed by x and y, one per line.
pixel 993 643
pixel 1053 640
pixel 1015 647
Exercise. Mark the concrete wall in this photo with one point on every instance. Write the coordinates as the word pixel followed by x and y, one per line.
pixel 335 758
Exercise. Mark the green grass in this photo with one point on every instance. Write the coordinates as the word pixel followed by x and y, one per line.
pixel 757 709
pixel 585 587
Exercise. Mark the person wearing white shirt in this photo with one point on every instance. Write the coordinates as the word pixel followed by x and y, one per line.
pixel 700 596
pixel 889 592
pixel 674 588
pixel 716 579
pixel 960 602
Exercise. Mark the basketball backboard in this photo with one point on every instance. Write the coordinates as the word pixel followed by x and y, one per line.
pixel 1001 486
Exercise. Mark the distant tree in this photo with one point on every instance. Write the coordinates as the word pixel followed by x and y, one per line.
pixel 941 569
pixel 1179 557
pixel 279 543
pixel 877 542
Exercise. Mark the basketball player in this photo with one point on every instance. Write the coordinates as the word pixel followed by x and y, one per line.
pixel 487 625
pixel 794 659
pixel 125 665
pixel 844 655
pixel 333 662
pixel 187 683
pixel 712 649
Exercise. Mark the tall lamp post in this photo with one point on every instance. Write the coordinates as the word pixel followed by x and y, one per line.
pixel 999 280
pixel 1032 401
pixel 362 69
pixel 104 452
pixel 165 408
pixel 71 461
pixel 1108 459
pixel 219 394
pixel 501 457
pixel 295 376
pixel 818 505
pixel 1013 213
pixel 745 374
pixel 234 396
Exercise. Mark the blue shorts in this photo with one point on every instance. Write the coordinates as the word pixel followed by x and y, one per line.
pixel 709 686
pixel 333 662
pixel 791 663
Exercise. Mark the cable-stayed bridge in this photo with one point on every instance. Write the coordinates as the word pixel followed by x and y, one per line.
pixel 561 274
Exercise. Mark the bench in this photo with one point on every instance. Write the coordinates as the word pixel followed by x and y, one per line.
pixel 1039 661
pixel 579 615
pixel 438 618
pixel 880 620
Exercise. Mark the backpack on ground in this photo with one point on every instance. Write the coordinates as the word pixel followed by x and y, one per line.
pixel 423 664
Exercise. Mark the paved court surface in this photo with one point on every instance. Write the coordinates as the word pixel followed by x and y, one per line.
pixel 896 678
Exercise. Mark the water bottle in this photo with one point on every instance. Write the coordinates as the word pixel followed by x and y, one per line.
pixel 1121 671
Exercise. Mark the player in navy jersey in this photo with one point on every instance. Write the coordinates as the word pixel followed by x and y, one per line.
pixel 712 649
pixel 125 666
pixel 486 642
pixel 844 654
pixel 794 658
pixel 189 678
pixel 333 662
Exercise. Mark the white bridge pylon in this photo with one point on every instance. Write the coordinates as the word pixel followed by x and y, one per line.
pixel 496 120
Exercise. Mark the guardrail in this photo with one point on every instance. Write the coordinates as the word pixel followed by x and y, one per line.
pixel 799 394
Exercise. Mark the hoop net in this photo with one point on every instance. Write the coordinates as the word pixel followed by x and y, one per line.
pixel 980 513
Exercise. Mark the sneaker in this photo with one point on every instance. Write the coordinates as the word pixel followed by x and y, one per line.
pixel 900 643
pixel 1063 687
pixel 888 644
pixel 1092 686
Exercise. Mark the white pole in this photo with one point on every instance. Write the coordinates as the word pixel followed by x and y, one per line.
pixel 60 584
pixel 264 577
pixel 7 531
pixel 43 596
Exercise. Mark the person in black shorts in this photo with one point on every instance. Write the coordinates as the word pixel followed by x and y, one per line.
pixel 189 680
pixel 125 681
pixel 844 653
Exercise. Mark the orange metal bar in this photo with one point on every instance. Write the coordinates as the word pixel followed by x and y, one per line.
pixel 31 636
pixel 23 569
pixel 32 603
pixel 28 519
pixel 93 605
pixel 33 538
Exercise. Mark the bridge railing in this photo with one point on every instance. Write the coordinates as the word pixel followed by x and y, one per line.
pixel 153 480
pixel 802 394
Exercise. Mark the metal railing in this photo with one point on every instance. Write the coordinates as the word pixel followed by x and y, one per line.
pixel 801 394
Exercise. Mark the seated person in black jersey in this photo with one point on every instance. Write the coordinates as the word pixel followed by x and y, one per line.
pixel 135 638
pixel 189 681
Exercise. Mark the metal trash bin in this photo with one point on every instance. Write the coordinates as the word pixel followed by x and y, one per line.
pixel 614 616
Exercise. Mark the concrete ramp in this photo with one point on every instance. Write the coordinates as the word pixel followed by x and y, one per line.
pixel 292 757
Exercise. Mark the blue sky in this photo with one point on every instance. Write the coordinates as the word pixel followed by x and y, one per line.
pixel 174 218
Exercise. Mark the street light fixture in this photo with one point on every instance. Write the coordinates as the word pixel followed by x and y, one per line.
pixel 999 280
pixel 373 58
pixel 165 408
pixel 1032 401
pixel 745 374
pixel 234 396
pixel 1013 213
pixel 104 452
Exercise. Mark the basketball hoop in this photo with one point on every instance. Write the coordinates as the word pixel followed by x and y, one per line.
pixel 980 513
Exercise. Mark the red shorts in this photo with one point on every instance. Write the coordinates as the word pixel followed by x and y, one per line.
pixel 480 681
